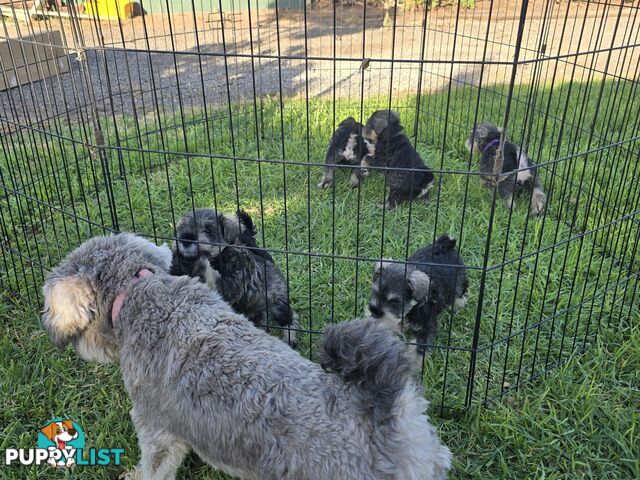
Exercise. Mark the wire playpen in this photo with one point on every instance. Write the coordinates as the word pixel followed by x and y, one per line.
pixel 126 124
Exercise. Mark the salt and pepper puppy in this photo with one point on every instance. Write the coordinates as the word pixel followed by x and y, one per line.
pixel 393 149
pixel 519 173
pixel 203 233
pixel 201 376
pixel 245 276
pixel 347 147
pixel 412 295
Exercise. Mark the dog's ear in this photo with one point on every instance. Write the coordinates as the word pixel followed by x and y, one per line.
pixel 245 219
pixel 67 308
pixel 419 284
pixel 68 423
pixel 384 119
pixel 49 431
pixel 348 121
pixel 384 263
pixel 230 227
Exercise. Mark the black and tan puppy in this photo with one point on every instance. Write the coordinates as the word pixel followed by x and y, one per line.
pixel 392 149
pixel 519 173
pixel 413 295
pixel 226 257
pixel 347 147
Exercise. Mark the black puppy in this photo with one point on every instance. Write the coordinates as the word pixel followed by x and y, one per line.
pixel 347 147
pixel 413 295
pixel 247 278
pixel 519 173
pixel 393 149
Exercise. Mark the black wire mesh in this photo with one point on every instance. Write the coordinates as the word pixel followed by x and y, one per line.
pixel 231 105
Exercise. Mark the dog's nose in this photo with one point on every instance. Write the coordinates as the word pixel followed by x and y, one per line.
pixel 72 432
pixel 375 310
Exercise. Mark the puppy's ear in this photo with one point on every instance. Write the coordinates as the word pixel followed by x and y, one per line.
pixel 419 284
pixel 230 228
pixel 49 431
pixel 67 308
pixel 245 219
pixel 384 263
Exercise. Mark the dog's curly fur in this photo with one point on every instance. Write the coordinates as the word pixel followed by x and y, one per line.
pixel 413 295
pixel 519 172
pixel 347 147
pixel 392 149
pixel 201 376
pixel 246 276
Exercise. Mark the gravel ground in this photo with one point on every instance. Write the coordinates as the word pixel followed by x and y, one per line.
pixel 159 62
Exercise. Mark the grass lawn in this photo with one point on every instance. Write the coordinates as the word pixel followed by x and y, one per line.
pixel 554 286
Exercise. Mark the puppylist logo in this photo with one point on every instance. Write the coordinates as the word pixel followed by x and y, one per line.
pixel 61 443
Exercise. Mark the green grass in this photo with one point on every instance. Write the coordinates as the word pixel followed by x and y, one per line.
pixel 536 313
pixel 581 421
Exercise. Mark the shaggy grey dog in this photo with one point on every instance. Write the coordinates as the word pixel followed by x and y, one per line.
pixel 213 247
pixel 518 172
pixel 413 295
pixel 202 377
pixel 392 149
pixel 346 147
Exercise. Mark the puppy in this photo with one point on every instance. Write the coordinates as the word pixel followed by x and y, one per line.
pixel 392 149
pixel 247 278
pixel 518 170
pixel 60 433
pixel 347 147
pixel 413 295
pixel 201 376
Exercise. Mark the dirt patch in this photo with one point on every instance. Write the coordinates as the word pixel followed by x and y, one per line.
pixel 172 65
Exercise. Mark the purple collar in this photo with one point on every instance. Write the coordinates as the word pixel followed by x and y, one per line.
pixel 490 144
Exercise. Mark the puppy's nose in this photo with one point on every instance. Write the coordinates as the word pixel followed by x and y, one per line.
pixel 72 432
pixel 375 311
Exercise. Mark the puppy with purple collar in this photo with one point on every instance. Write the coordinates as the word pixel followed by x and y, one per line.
pixel 518 174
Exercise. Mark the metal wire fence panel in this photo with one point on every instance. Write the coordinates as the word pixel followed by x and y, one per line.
pixel 128 124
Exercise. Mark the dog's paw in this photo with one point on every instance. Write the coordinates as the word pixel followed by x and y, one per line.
pixel 134 474
pixel 324 183
pixel 508 202
pixel 538 201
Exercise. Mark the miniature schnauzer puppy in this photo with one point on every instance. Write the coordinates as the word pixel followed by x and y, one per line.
pixel 414 294
pixel 201 376
pixel 347 147
pixel 246 276
pixel 518 170
pixel 392 149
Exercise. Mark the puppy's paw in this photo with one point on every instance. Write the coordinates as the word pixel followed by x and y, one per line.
pixel 324 183
pixel 355 181
pixel 133 474
pixel 538 202
pixel 508 202
pixel 388 206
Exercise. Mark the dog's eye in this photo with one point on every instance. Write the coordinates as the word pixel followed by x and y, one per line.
pixel 394 301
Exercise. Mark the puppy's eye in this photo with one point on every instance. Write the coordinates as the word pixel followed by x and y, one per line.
pixel 395 301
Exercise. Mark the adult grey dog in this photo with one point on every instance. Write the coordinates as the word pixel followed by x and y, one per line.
pixel 201 376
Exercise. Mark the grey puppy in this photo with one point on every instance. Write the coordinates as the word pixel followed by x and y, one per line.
pixel 201 376
pixel 408 178
pixel 412 295
pixel 519 173
pixel 221 250
pixel 346 147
